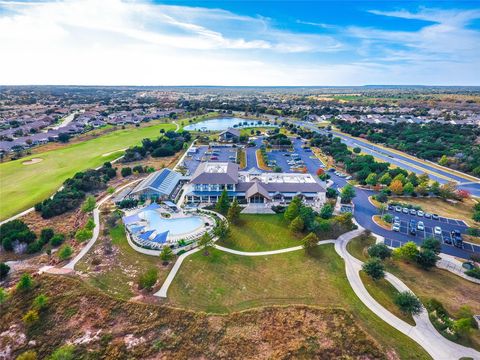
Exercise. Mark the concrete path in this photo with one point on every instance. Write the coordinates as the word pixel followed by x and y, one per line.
pixel 423 332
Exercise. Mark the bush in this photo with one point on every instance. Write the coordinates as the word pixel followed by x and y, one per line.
pixel 296 225
pixel 83 234
pixel 3 296
pixel 34 247
pixel 407 251
pixel 475 272
pixel 126 171
pixel 374 268
pixel 65 352
pixel 166 255
pixel 15 230
pixel 46 235
pixel 31 317
pixel 148 279
pixel 27 355
pixel 408 303
pixel 90 225
pixel 381 197
pixel 326 211
pixel 331 193
pixel 380 251
pixel 40 302
pixel 4 270
pixel 426 259
pixel 65 252
pixel 57 240
pixel 388 218
pixel 432 244
pixel 89 204
pixel 25 283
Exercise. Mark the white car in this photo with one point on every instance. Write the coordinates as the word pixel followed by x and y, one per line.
pixel 396 227
pixel 437 230
pixel 420 226
pixel 420 213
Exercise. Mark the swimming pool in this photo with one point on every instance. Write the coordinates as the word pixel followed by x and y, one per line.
pixel 176 227
pixel 224 124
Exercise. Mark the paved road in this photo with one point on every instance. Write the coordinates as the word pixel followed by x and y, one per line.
pixel 404 162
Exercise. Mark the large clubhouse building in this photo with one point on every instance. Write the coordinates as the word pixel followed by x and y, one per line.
pixel 252 186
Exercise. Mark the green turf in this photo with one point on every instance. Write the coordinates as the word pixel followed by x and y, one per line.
pixel 223 282
pixel 22 186
pixel 260 232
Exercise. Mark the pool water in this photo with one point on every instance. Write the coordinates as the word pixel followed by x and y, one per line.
pixel 175 226
pixel 224 124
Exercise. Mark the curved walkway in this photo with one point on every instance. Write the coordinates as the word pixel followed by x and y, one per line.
pixel 423 332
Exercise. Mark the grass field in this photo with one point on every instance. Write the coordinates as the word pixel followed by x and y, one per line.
pixel 22 186
pixel 120 270
pixel 257 232
pixel 223 282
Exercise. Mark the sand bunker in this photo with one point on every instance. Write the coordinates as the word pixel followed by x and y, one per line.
pixel 32 161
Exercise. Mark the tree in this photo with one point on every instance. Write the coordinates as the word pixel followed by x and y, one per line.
pixel 126 171
pixel 409 189
pixel 25 283
pixel 400 177
pixel 347 194
pixel 46 235
pixel 204 242
pixel 223 203
pixel 310 241
pixel 448 190
pixel 88 204
pixel 443 160
pixel 396 187
pixel 426 259
pixel 326 211
pixel 374 268
pixel 408 303
pixel 57 240
pixel 463 194
pixel 166 254
pixel 40 302
pixel 148 279
pixel 293 209
pixel 371 179
pixel 435 188
pixel 380 251
pixel 357 150
pixel 331 193
pixel 3 296
pixel 297 225
pixel 407 251
pixel 432 244
pixel 63 137
pixel 386 179
pixel 221 230
pixel 65 252
pixel 83 234
pixel 4 270
pixel 462 326
pixel 234 211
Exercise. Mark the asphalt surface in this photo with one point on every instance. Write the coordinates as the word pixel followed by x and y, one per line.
pixel 407 163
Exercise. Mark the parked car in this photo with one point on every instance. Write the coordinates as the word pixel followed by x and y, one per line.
pixel 398 208
pixel 420 213
pixel 420 226
pixel 348 177
pixel 405 210
pixel 457 238
pixel 447 239
pixel 396 227
pixel 214 158
pixel 396 219
pixel 412 227
pixel 428 215
pixel 435 217
pixel 413 212
pixel 391 207
pixel 437 230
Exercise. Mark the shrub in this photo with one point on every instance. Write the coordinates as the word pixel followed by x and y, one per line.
pixel 40 302
pixel 89 204
pixel 90 225
pixel 65 352
pixel 27 355
pixel 57 240
pixel 4 270
pixel 126 171
pixel 326 211
pixel 34 247
pixel 432 244
pixel 407 251
pixel 380 251
pixel 31 317
pixel 148 279
pixel 310 241
pixel 408 303
pixel 25 283
pixel 388 218
pixel 3 296
pixel 15 230
pixel 381 197
pixel 296 225
pixel 83 234
pixel 65 252
pixel 167 254
pixel 331 193
pixel 475 272
pixel 374 268
pixel 46 235
pixel 426 259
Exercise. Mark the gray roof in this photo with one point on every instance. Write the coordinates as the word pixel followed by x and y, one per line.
pixel 163 181
pixel 257 188
pixel 201 176
pixel 232 131
pixel 284 187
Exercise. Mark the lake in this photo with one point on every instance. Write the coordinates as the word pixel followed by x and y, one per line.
pixel 224 124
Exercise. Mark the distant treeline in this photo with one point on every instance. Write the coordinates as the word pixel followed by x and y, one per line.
pixel 455 146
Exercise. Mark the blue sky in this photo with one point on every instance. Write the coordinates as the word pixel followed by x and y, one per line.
pixel 126 42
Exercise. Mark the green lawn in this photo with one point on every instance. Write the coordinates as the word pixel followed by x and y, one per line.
pixel 260 232
pixel 119 278
pixel 223 282
pixel 22 186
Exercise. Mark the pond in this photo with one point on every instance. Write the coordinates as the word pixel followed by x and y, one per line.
pixel 225 123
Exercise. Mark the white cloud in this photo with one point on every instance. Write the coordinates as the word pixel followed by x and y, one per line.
pixel 123 42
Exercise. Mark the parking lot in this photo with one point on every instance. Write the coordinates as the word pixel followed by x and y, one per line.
pixel 215 153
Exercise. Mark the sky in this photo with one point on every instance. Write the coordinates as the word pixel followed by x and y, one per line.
pixel 239 43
